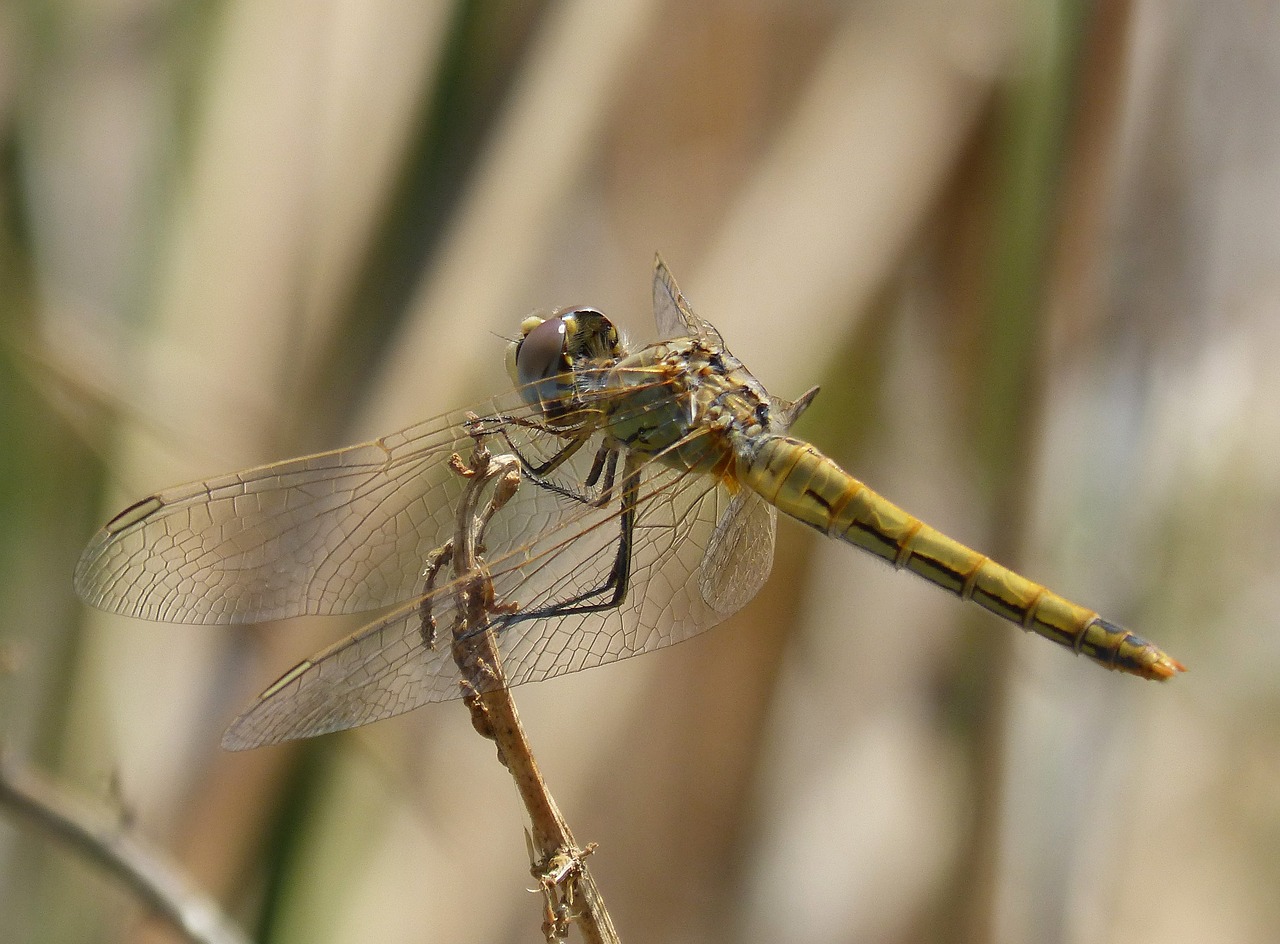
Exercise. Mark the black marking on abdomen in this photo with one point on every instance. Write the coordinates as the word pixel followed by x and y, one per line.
pixel 826 505
pixel 890 547
pixel 999 605
pixel 935 571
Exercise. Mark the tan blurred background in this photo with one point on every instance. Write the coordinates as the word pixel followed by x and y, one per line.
pixel 1030 249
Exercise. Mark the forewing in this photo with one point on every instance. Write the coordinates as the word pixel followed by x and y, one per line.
pixel 339 532
pixel 389 668
pixel 675 317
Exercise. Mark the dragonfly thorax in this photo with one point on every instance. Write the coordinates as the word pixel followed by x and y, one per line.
pixel 693 405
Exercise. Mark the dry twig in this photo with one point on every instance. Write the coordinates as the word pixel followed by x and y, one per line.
pixel 569 891
pixel 100 837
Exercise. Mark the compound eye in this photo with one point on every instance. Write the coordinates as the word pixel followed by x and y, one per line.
pixel 591 336
pixel 541 353
pixel 585 314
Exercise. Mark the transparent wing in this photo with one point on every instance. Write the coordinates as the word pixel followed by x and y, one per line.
pixel 675 317
pixel 697 556
pixel 338 532
pixel 739 555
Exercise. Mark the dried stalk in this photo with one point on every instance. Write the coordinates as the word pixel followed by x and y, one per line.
pixel 559 865
pixel 100 837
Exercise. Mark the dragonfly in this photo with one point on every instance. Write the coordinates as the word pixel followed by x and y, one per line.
pixel 645 513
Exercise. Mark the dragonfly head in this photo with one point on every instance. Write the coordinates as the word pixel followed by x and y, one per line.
pixel 551 348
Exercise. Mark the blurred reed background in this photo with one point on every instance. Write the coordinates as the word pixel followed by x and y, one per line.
pixel 1029 249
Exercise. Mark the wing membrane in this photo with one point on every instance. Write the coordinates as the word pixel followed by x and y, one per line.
pixel 339 532
pixel 739 555
pixel 388 667
pixel 675 317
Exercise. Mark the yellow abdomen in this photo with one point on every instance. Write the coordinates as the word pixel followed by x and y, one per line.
pixel 801 481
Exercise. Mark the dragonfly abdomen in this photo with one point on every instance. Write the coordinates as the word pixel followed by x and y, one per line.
pixel 807 485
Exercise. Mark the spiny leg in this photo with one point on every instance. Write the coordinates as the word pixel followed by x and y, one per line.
pixel 577 436
pixel 615 585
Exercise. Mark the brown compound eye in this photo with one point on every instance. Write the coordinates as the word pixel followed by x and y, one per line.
pixel 591 335
pixel 544 363
pixel 541 354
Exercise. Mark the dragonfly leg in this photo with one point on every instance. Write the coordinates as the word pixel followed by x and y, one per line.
pixel 576 436
pixel 597 467
pixel 614 587
pixel 604 464
pixel 604 457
